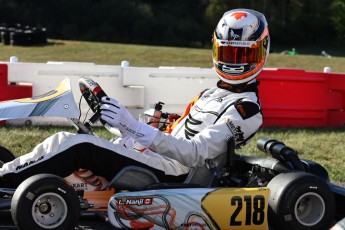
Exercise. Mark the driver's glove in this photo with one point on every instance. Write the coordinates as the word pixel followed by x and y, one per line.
pixel 116 115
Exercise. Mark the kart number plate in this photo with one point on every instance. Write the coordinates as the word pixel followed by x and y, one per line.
pixel 238 208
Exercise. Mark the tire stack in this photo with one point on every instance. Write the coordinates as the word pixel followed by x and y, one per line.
pixel 18 35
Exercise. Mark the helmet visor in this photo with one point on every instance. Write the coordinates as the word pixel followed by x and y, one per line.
pixel 238 52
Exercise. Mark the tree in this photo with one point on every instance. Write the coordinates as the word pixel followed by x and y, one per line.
pixel 337 17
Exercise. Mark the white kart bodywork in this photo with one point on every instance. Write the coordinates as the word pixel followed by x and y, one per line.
pixel 56 103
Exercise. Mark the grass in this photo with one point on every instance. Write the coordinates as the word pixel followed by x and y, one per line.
pixel 22 139
pixel 154 56
pixel 325 146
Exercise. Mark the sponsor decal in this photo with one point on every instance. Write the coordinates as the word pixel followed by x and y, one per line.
pixel 89 82
pixel 288 217
pixel 236 43
pixel 236 130
pixel 61 190
pixel 19 167
pixel 80 186
pixel 30 196
pixel 130 130
pixel 233 35
pixel 134 201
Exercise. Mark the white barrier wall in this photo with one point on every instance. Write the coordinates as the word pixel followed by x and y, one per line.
pixel 138 88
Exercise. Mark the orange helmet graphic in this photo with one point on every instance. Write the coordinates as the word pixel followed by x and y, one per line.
pixel 240 45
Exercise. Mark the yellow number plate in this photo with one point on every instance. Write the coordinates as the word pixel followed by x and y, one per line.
pixel 238 208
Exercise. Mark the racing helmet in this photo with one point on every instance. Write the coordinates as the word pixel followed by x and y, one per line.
pixel 240 45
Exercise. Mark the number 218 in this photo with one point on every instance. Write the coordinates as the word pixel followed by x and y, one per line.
pixel 254 210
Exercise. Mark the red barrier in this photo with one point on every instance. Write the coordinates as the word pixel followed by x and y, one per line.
pixel 296 98
pixel 12 90
pixel 289 97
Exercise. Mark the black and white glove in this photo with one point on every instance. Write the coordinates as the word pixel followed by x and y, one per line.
pixel 116 115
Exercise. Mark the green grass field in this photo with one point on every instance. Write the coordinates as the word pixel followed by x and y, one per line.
pixel 325 146
pixel 154 56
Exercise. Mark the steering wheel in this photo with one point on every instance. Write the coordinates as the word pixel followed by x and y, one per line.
pixel 93 94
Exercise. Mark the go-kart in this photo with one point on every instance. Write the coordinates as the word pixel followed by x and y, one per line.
pixel 232 191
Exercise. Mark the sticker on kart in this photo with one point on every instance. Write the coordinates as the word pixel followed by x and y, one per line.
pixel 227 208
pixel 56 103
pixel 238 208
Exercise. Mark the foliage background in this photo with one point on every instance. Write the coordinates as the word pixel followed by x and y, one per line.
pixel 187 23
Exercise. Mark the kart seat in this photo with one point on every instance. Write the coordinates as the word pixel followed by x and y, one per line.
pixel 135 178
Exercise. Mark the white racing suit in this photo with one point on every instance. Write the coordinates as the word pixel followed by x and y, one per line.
pixel 201 135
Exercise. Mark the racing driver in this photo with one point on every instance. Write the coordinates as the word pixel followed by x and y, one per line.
pixel 240 48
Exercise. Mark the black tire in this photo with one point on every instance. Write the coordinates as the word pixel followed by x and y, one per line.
pixel 299 200
pixel 5 156
pixel 45 201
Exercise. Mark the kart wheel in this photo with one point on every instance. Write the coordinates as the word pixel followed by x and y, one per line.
pixel 45 201
pixel 300 200
pixel 5 156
